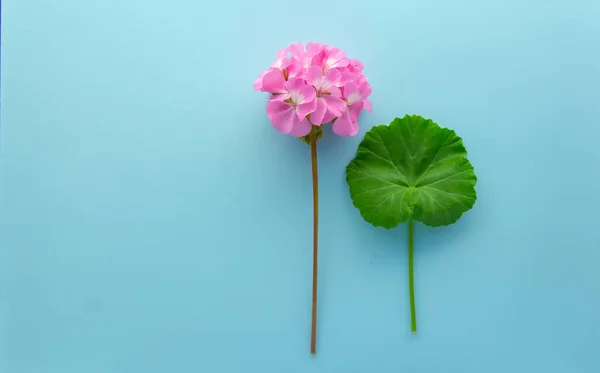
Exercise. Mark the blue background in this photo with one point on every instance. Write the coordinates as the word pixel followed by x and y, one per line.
pixel 152 220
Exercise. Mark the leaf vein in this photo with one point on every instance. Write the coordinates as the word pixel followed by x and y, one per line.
pixel 445 178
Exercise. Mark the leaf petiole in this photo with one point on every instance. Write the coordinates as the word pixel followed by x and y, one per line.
pixel 411 277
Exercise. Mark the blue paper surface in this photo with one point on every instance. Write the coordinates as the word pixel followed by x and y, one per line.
pixel 152 220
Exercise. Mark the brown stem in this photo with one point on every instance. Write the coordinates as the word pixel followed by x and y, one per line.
pixel 315 183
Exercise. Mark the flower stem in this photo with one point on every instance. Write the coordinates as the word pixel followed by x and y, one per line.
pixel 411 279
pixel 315 183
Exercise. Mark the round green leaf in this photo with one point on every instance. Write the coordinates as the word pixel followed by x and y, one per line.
pixel 411 169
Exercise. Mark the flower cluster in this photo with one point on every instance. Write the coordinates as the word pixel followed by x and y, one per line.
pixel 314 86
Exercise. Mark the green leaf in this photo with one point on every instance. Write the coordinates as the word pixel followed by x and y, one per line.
pixel 411 169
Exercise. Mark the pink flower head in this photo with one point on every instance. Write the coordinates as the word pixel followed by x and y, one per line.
pixel 314 86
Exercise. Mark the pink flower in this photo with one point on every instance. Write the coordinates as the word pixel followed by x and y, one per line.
pixel 258 83
pixel 330 59
pixel 289 115
pixel 309 88
pixel 329 97
pixel 282 59
pixel 274 82
pixel 304 57
pixel 355 66
pixel 314 86
pixel 285 64
pixel 356 100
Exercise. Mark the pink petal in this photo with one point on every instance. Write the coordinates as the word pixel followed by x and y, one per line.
pixel 364 88
pixel 361 78
pixel 355 66
pixel 333 76
pixel 319 58
pixel 317 116
pixel 294 84
pixel 349 89
pixel 304 57
pixel 306 108
pixel 347 77
pixel 293 88
pixel 337 54
pixel 282 115
pixel 279 97
pixel 297 50
pixel 336 58
pixel 334 92
pixel 274 82
pixel 334 104
pixel 301 127
pixel 328 117
pixel 351 93
pixel 314 75
pixel 312 49
pixel 355 110
pixel 307 94
pixel 367 105
pixel 345 126
pixel 258 84
pixel 281 54
pixel 299 55
pixel 294 69
pixel 279 57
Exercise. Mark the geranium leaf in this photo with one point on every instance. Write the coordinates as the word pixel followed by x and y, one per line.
pixel 411 169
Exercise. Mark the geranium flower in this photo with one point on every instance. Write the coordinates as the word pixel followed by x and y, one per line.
pixel 288 110
pixel 309 88
pixel 329 103
pixel 331 73
pixel 355 97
